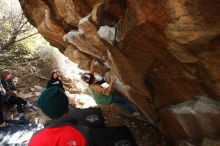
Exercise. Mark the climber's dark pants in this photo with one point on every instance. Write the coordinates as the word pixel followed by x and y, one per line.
pixel 123 103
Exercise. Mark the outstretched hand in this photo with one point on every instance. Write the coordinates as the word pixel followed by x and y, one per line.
pixel 113 78
pixel 92 65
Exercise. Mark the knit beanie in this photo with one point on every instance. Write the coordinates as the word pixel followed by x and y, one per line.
pixel 53 102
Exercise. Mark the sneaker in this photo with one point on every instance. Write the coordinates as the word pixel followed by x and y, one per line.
pixel 3 125
pixel 23 120
pixel 132 115
pixel 33 108
pixel 135 114
pixel 6 125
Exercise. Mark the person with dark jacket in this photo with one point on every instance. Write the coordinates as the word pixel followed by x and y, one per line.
pixel 11 98
pixel 2 94
pixel 55 80
pixel 60 130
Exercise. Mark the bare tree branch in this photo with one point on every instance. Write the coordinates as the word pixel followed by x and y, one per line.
pixel 26 37
pixel 17 23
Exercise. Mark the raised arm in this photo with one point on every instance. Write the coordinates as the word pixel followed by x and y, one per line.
pixel 92 66
pixel 111 84
pixel 107 91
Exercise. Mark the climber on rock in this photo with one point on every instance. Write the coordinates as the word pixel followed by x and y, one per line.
pixel 104 96
pixel 60 130
pixel 11 98
pixel 55 80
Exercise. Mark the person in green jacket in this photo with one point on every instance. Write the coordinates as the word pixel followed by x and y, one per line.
pixel 104 96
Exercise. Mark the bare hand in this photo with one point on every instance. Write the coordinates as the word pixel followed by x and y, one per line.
pixel 95 62
pixel 12 93
pixel 113 78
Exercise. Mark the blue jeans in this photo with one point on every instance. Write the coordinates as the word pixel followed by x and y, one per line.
pixel 123 103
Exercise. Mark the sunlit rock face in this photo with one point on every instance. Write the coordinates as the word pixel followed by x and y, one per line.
pixel 165 53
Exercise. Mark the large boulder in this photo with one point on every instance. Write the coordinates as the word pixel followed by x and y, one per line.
pixel 192 120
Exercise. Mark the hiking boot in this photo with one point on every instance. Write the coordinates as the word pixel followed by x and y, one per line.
pixel 6 125
pixel 135 114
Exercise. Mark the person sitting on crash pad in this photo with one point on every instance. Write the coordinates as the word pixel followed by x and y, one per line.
pixel 55 80
pixel 60 130
pixel 11 97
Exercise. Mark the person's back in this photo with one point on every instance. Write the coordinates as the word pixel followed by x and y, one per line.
pixel 99 98
pixel 58 136
pixel 60 130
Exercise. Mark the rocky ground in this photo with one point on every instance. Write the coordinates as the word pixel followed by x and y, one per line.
pixel 31 75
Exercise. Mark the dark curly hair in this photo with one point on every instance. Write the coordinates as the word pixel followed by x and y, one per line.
pixel 88 78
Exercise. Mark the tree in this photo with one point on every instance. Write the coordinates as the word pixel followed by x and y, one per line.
pixel 14 26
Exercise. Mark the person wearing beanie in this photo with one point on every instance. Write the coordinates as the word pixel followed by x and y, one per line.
pixel 104 96
pixel 60 130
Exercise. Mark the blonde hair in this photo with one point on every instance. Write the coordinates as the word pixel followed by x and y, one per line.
pixel 5 73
